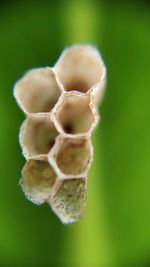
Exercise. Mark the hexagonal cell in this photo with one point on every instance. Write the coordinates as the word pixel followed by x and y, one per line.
pixel 69 201
pixel 38 179
pixel 37 91
pixel 79 68
pixel 75 115
pixel 71 157
pixel 37 135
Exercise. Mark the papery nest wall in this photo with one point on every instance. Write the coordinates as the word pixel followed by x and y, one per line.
pixel 60 105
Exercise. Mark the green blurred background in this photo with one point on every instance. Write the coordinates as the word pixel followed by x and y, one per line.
pixel 115 230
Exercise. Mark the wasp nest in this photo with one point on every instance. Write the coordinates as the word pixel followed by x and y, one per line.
pixel 60 105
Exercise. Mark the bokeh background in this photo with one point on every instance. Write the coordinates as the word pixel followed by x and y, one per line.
pixel 115 230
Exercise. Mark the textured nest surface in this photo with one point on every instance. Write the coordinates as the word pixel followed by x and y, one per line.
pixel 60 105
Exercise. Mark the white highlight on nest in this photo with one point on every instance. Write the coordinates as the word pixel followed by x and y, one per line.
pixel 60 105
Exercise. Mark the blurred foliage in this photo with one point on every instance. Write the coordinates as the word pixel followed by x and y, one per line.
pixel 115 230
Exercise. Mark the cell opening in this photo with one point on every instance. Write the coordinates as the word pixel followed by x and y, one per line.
pixel 38 135
pixel 75 115
pixel 74 156
pixel 69 201
pixel 37 180
pixel 79 68
pixel 37 91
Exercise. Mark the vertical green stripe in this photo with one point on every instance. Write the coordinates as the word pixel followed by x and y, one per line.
pixel 80 20
pixel 85 242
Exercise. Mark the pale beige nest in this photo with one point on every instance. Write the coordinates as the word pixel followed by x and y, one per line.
pixel 60 105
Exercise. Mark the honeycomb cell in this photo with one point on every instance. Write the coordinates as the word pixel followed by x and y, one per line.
pixel 75 115
pixel 79 68
pixel 71 157
pixel 38 179
pixel 69 201
pixel 37 135
pixel 37 91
